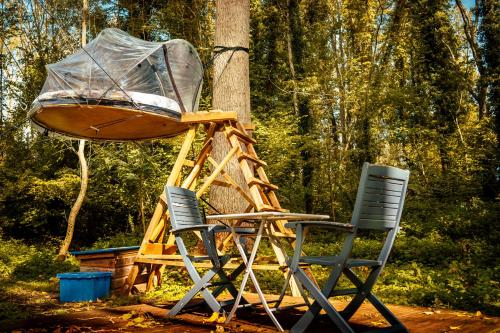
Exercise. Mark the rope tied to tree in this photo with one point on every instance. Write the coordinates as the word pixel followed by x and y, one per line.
pixel 220 49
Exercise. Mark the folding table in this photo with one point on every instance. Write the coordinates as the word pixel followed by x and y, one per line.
pixel 265 222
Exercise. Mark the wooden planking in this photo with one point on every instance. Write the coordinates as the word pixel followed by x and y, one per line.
pixel 202 117
pixel 119 282
pixel 155 248
pixel 134 124
pixel 117 272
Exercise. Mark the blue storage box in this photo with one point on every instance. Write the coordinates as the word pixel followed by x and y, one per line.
pixel 83 286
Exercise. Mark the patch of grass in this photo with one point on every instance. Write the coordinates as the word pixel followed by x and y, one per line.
pixel 27 278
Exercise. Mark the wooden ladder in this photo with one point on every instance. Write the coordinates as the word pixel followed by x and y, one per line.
pixel 153 254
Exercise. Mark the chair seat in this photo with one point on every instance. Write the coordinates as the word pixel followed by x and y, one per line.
pixel 334 260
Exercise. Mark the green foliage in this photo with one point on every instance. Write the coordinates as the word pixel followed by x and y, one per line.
pixel 118 240
pixel 19 261
pixel 333 84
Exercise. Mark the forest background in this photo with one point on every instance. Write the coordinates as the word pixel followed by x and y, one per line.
pixel 334 83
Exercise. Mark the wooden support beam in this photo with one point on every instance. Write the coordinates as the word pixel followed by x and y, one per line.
pixel 198 165
pixel 233 184
pixel 216 172
pixel 262 183
pixel 251 158
pixel 202 117
pixel 186 146
pixel 241 135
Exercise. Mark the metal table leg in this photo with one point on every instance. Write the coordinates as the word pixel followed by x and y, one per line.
pixel 249 273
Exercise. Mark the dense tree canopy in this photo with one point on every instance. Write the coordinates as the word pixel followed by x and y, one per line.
pixel 334 83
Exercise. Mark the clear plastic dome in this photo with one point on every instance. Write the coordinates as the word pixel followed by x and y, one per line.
pixel 120 88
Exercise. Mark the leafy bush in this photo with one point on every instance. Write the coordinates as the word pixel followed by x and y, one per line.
pixel 118 240
pixel 19 261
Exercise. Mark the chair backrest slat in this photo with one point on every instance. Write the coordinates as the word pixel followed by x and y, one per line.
pixel 380 197
pixel 183 207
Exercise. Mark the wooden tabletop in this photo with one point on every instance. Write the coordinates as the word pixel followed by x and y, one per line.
pixel 269 216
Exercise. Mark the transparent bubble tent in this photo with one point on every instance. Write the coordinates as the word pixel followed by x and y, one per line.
pixel 121 88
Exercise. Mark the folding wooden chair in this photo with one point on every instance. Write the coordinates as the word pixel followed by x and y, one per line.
pixel 185 217
pixel 378 207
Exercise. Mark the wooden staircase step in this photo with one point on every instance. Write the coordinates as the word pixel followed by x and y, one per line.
pixel 256 181
pixel 251 158
pixel 241 135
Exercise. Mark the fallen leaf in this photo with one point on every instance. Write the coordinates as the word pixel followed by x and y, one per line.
pixel 213 317
pixel 455 327
pixel 219 329
pixel 127 316
pixel 221 320
pixel 478 314
pixel 378 323
pixel 138 320
pixel 428 313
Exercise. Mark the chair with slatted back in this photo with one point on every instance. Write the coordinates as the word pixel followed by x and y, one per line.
pixel 378 207
pixel 185 217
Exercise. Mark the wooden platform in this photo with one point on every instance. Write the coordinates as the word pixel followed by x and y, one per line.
pixel 417 319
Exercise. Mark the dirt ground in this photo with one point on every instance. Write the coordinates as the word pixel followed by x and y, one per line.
pixel 148 318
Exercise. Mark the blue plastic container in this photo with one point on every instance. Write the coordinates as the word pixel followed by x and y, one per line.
pixel 83 286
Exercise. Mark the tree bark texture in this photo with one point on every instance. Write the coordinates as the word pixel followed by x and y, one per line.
pixel 231 90
pixel 78 203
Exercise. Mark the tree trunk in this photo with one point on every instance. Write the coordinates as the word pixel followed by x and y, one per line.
pixel 231 90
pixel 291 65
pixel 482 84
pixel 63 251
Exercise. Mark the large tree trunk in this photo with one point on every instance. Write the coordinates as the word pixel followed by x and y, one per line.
pixel 63 251
pixel 231 90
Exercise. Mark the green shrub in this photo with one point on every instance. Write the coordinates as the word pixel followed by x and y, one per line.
pixel 19 261
pixel 118 240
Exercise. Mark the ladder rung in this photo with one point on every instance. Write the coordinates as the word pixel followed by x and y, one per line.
pixel 249 157
pixel 255 181
pixel 241 135
pixel 268 208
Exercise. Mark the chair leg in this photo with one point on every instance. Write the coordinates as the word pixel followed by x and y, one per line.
pixel 366 293
pixel 358 299
pixel 200 282
pixel 200 286
pixel 228 280
pixel 321 302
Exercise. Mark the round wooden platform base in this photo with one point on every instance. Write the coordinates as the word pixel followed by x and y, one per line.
pixel 102 122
